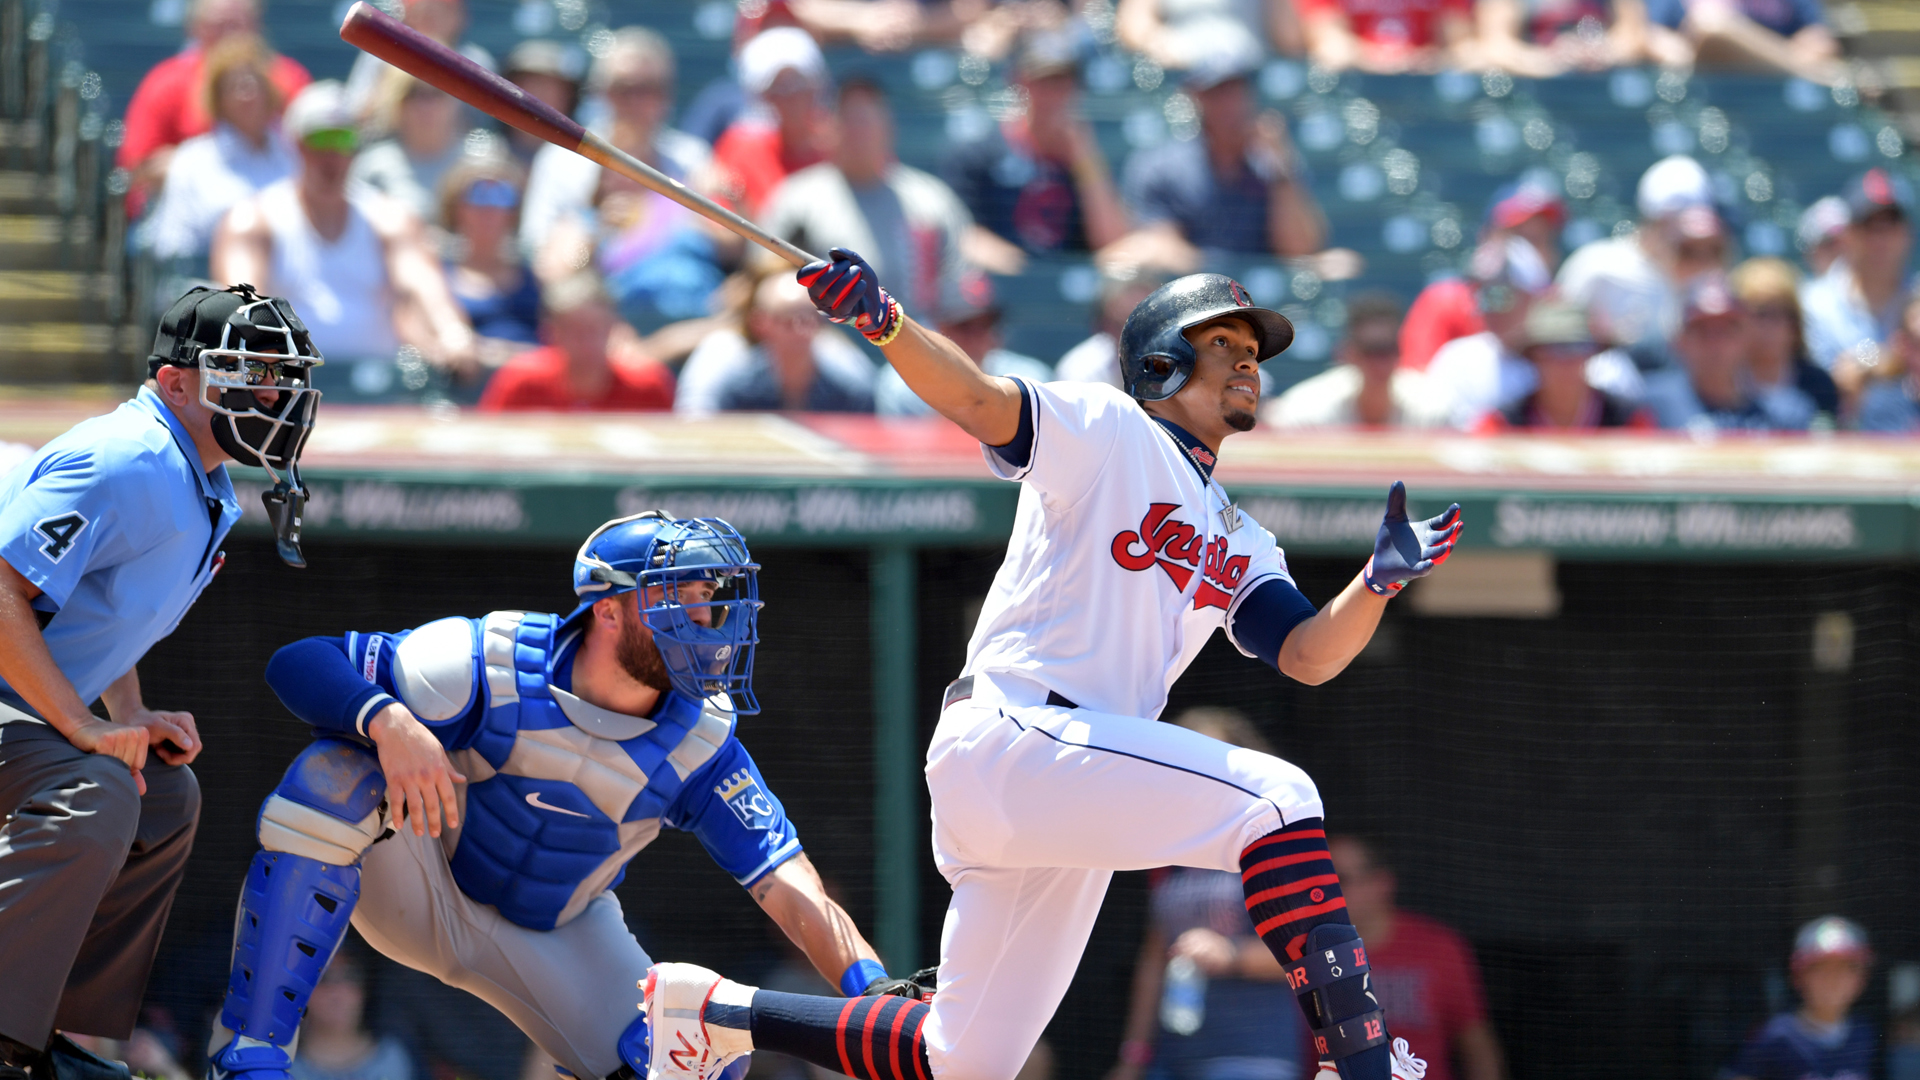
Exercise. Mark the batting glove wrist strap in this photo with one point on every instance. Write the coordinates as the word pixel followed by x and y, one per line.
pixel 1404 549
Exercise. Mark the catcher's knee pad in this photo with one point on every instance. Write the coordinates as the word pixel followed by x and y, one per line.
pixel 327 807
pixel 1335 988
pixel 293 914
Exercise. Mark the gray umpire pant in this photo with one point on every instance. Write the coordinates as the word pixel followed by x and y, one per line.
pixel 88 869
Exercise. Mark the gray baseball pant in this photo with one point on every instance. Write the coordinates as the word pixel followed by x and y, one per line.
pixel 88 868
pixel 572 989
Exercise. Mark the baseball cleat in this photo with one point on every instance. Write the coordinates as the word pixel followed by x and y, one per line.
pixel 1405 1065
pixel 684 1045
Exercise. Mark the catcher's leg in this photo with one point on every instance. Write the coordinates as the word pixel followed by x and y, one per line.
pixel 1008 951
pixel 299 895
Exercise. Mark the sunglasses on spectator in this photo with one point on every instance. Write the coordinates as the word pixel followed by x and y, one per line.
pixel 1772 312
pixel 494 193
pixel 334 140
pixel 623 89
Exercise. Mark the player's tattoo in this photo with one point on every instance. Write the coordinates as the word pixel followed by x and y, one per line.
pixel 60 531
pixel 761 888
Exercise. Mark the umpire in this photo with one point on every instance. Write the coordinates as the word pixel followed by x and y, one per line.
pixel 107 536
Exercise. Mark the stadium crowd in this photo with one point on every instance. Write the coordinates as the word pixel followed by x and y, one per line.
pixel 431 251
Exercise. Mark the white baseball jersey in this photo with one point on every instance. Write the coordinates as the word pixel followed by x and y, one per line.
pixel 1120 566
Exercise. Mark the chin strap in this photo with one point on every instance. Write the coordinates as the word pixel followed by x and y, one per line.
pixel 284 504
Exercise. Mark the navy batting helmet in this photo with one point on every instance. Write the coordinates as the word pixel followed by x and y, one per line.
pixel 1155 356
pixel 654 549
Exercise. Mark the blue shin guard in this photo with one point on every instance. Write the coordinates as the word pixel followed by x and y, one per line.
pixel 293 915
pixel 1334 985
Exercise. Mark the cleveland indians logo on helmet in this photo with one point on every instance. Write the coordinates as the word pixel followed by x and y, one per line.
pixel 1239 294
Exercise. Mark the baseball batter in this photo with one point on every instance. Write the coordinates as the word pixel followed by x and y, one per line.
pixel 1047 770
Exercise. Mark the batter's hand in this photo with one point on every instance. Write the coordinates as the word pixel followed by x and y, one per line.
pixel 845 289
pixel 419 776
pixel 123 741
pixel 1405 550
pixel 171 736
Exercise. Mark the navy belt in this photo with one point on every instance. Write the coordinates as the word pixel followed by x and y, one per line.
pixel 961 689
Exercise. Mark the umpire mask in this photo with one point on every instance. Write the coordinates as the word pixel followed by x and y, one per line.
pixel 244 343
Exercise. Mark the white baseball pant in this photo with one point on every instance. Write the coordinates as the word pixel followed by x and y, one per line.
pixel 1034 807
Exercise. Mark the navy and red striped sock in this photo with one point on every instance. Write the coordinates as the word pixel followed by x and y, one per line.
pixel 1291 887
pixel 867 1038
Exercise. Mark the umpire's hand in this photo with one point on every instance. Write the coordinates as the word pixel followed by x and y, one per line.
pixel 126 742
pixel 419 776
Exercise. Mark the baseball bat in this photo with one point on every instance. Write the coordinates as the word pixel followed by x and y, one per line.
pixel 386 37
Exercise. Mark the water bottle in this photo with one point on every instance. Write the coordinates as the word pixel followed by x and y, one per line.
pixel 1183 1004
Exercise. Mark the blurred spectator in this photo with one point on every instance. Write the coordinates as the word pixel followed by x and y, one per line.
pixel 1238 187
pixel 424 140
pixel 1851 309
pixel 1542 38
pixel 1890 392
pixel 1777 349
pixel 892 25
pixel 1445 310
pixel 580 367
pixel 1389 37
pixel 1559 347
pixel 550 73
pixel 969 316
pixel 354 263
pixel 1630 285
pixel 1485 371
pixel 208 174
pixel 445 21
pixel 1819 231
pixel 909 225
pixel 170 105
pixel 334 1041
pixel 784 357
pixel 1367 386
pixel 1038 178
pixel 1178 34
pixel 1097 359
pixel 479 202
pixel 1250 1029
pixel 1903 1044
pixel 636 77
pixel 1712 389
pixel 1820 1040
pixel 1784 37
pixel 784 129
pixel 1424 973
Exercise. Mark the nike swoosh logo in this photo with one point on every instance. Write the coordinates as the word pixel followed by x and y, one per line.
pixel 533 799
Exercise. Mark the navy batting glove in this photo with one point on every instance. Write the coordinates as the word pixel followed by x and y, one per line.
pixel 1405 550
pixel 846 289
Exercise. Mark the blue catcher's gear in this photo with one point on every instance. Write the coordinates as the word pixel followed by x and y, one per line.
pixel 651 550
pixel 1155 356
pixel 1406 550
pixel 297 901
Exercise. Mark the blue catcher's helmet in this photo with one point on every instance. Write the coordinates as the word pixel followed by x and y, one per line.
pixel 1155 356
pixel 652 549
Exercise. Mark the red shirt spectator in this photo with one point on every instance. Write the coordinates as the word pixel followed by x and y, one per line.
pixel 1443 311
pixel 537 379
pixel 1423 973
pixel 784 130
pixel 1411 24
pixel 577 371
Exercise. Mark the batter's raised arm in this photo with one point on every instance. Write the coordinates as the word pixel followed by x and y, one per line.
pixel 985 406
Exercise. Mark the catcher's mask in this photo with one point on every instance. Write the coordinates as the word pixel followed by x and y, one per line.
pixel 651 550
pixel 243 343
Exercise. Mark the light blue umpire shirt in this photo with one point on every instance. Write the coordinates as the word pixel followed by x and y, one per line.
pixel 120 529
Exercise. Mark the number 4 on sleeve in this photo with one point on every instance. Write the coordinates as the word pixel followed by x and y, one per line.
pixel 60 531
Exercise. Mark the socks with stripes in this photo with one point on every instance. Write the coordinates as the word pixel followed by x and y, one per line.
pixel 1291 889
pixel 867 1038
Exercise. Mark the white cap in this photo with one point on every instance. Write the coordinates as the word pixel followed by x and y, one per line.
pixel 1826 218
pixel 1671 185
pixel 1510 261
pixel 773 51
pixel 322 106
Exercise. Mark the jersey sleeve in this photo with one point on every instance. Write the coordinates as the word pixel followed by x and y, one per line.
pixel 727 805
pixel 1074 427
pixel 82 510
pixel 337 684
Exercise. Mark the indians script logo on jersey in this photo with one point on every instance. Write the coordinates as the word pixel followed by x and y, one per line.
pixel 748 803
pixel 1175 547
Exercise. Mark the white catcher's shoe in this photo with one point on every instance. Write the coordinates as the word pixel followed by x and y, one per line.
pixel 685 1046
pixel 1405 1065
